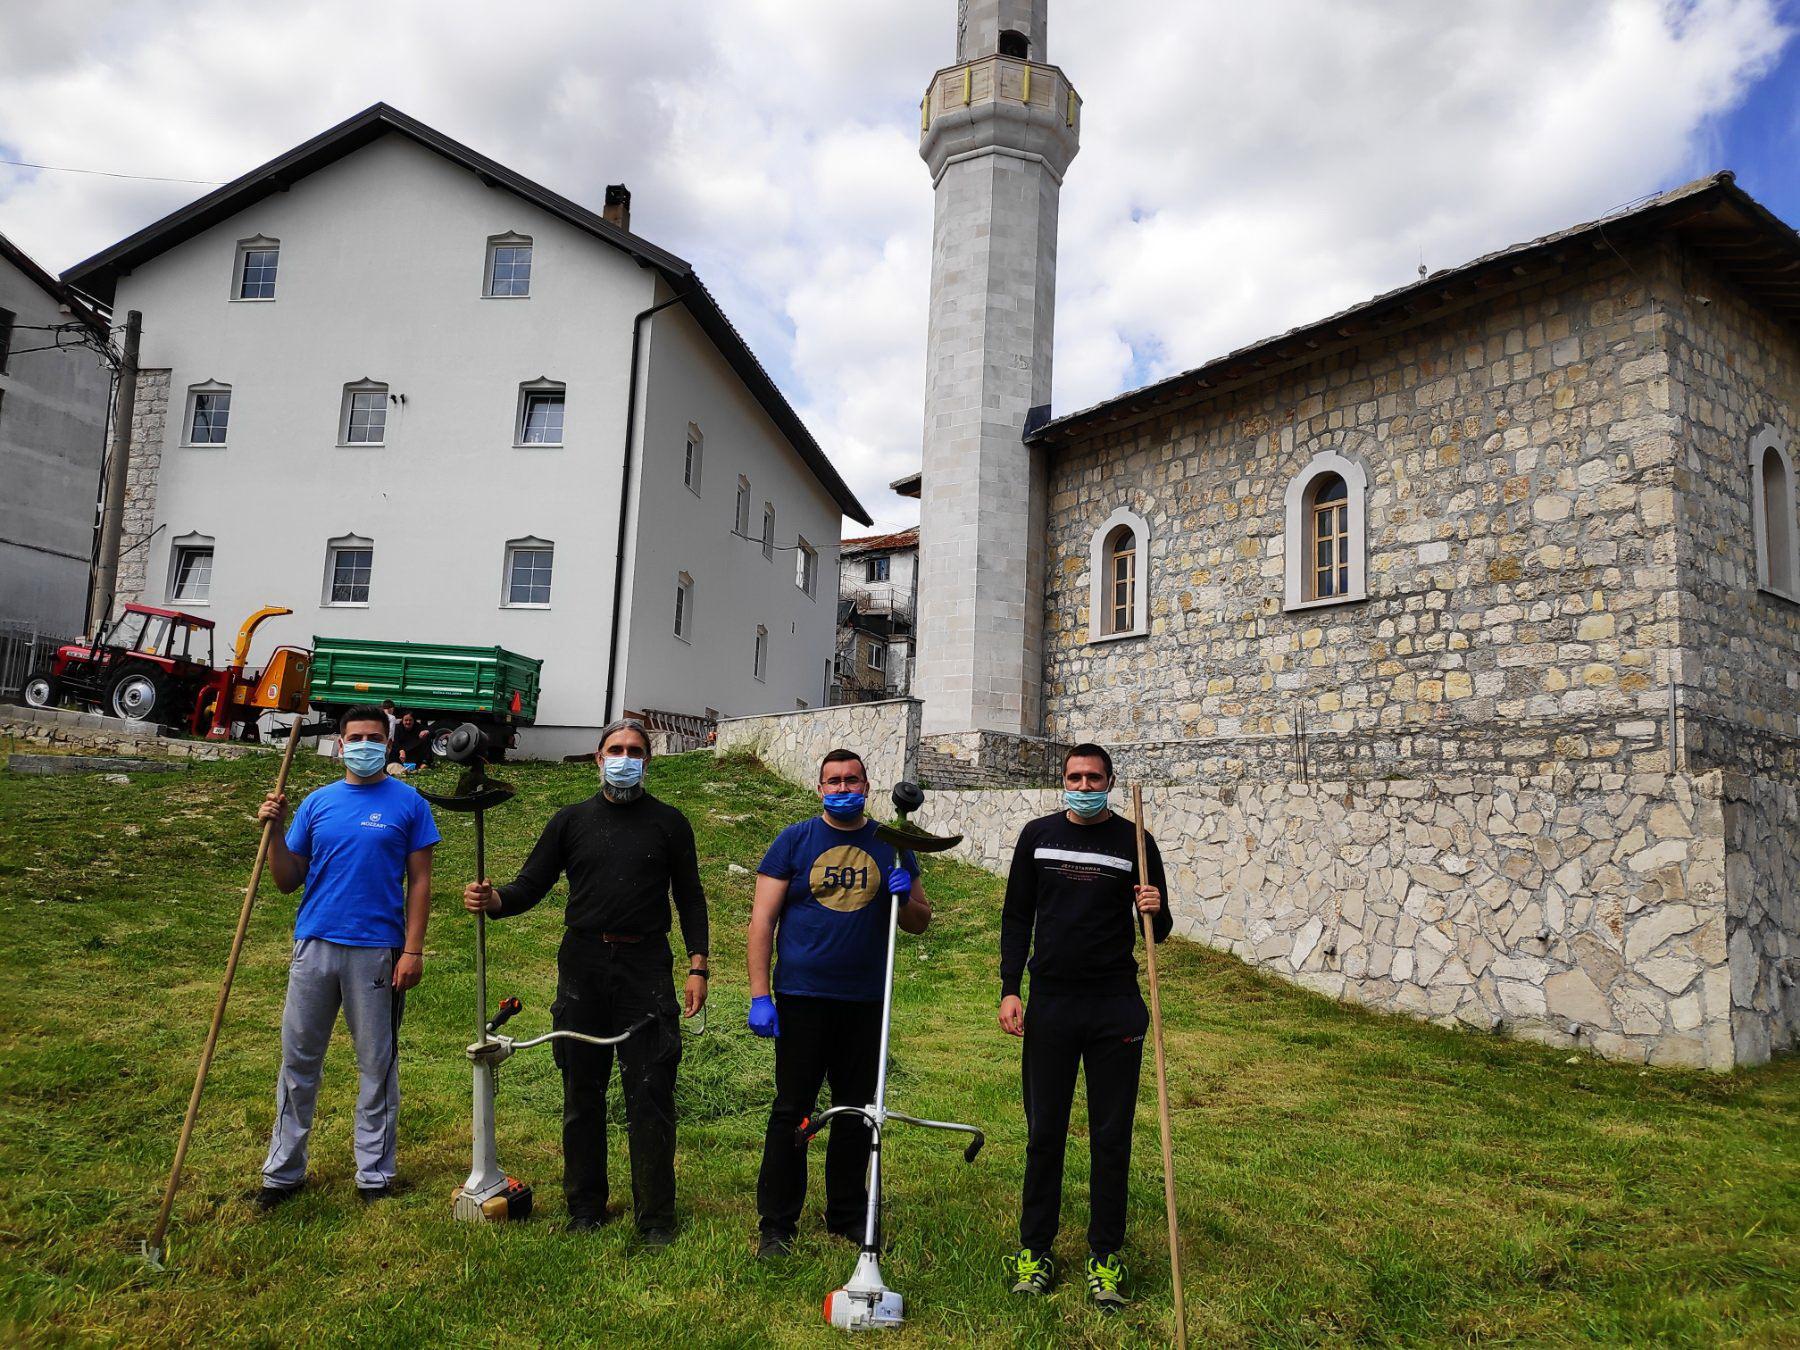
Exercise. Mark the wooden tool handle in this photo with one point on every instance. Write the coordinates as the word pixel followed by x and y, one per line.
pixel 218 1019
pixel 1162 1077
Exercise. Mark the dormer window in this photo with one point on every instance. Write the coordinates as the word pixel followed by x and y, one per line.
pixel 258 260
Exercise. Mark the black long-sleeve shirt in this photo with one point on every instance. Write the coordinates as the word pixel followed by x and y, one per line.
pixel 1070 905
pixel 623 860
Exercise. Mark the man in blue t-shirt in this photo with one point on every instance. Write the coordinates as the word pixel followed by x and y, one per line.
pixel 822 896
pixel 362 848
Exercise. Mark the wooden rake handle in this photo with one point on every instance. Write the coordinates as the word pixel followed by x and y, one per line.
pixel 218 1019
pixel 1162 1077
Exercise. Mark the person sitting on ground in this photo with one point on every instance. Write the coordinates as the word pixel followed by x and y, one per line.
pixel 362 849
pixel 412 742
pixel 1073 896
pixel 816 909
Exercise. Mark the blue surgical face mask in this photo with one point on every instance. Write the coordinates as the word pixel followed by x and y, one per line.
pixel 622 771
pixel 1087 805
pixel 365 759
pixel 844 805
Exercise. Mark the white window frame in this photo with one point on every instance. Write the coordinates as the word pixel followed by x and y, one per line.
pixel 495 243
pixel 742 517
pixel 877 659
pixel 180 550
pixel 535 389
pixel 343 544
pixel 260 243
pixel 1099 582
pixel 760 665
pixel 1294 545
pixel 193 400
pixel 684 607
pixel 768 532
pixel 883 562
pixel 351 390
pixel 693 459
pixel 806 568
pixel 514 547
pixel 1767 580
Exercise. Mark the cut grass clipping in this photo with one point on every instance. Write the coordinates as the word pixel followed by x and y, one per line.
pixel 1343 1177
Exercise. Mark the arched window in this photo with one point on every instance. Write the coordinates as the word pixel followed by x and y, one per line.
pixel 1118 598
pixel 1772 507
pixel 1326 532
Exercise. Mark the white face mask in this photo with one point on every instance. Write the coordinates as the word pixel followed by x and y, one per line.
pixel 365 759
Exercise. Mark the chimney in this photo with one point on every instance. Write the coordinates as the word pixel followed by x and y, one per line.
pixel 617 210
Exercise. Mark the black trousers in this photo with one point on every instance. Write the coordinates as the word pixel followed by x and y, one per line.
pixel 1104 1035
pixel 821 1039
pixel 601 989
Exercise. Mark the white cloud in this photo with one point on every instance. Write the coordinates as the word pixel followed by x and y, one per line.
pixel 1244 167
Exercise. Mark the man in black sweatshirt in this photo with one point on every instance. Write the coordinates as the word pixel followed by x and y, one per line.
pixel 624 852
pixel 1072 904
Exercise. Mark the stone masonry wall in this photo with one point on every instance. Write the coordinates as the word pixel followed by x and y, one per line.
pixel 1584 910
pixel 63 729
pixel 791 744
pixel 969 759
pixel 1520 553
pixel 149 424
pixel 1762 879
pixel 1734 371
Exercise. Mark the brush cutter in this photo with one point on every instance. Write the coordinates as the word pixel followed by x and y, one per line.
pixel 489 1195
pixel 865 1302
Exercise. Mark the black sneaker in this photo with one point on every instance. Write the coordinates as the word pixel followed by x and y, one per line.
pixel 656 1238
pixel 851 1235
pixel 266 1198
pixel 1105 1274
pixel 774 1244
pixel 370 1194
pixel 1031 1271
pixel 585 1223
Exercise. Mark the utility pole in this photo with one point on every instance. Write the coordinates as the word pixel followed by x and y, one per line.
pixel 118 465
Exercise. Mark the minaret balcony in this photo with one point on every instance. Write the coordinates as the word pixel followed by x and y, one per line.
pixel 1000 103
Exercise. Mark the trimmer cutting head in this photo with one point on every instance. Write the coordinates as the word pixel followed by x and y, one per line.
pixel 475 791
pixel 909 797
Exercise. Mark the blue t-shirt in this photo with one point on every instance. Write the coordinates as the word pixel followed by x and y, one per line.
pixel 355 837
pixel 831 939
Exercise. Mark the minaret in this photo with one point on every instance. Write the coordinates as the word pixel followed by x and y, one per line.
pixel 998 130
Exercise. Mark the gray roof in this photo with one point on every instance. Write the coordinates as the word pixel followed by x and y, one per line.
pixel 1712 215
pixel 98 275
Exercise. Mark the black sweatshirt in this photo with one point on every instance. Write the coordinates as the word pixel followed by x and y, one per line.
pixel 1069 903
pixel 623 859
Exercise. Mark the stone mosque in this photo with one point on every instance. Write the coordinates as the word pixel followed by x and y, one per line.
pixel 1455 637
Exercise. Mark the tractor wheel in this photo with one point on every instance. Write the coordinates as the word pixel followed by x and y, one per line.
pixel 137 695
pixel 42 691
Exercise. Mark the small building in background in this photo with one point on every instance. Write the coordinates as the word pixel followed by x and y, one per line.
pixel 54 389
pixel 878 587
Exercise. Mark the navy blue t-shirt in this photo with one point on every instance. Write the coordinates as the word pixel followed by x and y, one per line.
pixel 355 837
pixel 831 938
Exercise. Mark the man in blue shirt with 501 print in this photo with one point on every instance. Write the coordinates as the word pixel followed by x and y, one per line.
pixel 362 848
pixel 822 893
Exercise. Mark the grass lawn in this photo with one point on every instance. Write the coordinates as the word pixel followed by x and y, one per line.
pixel 1343 1177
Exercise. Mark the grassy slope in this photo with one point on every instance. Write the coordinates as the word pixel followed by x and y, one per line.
pixel 1343 1177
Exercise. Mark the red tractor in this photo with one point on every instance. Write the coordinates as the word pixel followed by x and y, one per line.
pixel 156 665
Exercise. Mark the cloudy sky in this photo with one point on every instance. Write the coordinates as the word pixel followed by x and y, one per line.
pixel 1244 168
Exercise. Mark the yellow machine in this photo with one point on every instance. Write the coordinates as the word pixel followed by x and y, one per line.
pixel 280 686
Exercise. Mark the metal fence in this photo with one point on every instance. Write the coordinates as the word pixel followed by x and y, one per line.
pixel 23 651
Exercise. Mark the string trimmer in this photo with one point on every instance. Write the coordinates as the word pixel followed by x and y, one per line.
pixel 489 1195
pixel 865 1302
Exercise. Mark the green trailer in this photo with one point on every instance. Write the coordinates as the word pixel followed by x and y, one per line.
pixel 489 686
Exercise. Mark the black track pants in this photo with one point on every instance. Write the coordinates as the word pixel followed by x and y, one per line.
pixel 1103 1034
pixel 601 989
pixel 821 1038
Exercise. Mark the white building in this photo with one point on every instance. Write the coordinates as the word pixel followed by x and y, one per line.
pixel 878 592
pixel 54 390
pixel 415 396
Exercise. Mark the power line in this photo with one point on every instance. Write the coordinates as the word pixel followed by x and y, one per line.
pixel 107 173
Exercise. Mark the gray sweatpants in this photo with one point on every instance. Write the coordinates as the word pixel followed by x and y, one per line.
pixel 323 977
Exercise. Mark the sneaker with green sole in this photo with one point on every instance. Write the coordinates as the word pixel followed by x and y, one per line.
pixel 1104 1276
pixel 1031 1271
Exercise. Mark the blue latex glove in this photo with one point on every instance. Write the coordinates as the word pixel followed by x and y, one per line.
pixel 900 882
pixel 762 1019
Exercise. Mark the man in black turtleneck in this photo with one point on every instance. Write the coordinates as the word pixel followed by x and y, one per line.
pixel 624 853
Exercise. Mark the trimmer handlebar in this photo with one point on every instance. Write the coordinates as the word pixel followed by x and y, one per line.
pixel 508 1007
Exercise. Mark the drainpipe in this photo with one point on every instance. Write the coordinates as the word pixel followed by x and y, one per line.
pixel 631 390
